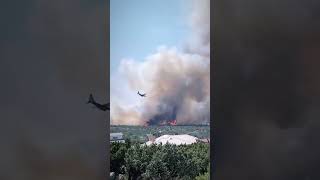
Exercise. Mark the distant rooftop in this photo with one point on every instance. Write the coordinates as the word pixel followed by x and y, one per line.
pixel 174 139
pixel 116 136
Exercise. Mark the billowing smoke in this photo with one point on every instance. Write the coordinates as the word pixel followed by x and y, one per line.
pixel 177 83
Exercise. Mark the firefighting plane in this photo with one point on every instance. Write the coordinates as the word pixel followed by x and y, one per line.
pixel 102 107
pixel 142 95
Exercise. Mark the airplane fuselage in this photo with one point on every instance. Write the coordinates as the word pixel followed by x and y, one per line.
pixel 102 107
pixel 142 95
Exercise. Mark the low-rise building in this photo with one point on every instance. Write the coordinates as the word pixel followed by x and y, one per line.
pixel 116 137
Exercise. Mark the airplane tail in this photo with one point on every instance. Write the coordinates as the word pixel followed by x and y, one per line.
pixel 91 100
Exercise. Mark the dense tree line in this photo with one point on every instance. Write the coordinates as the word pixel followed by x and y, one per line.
pixel 167 161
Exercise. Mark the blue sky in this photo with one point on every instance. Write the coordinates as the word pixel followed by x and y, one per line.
pixel 139 27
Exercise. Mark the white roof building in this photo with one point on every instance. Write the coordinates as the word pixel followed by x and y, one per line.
pixel 174 139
